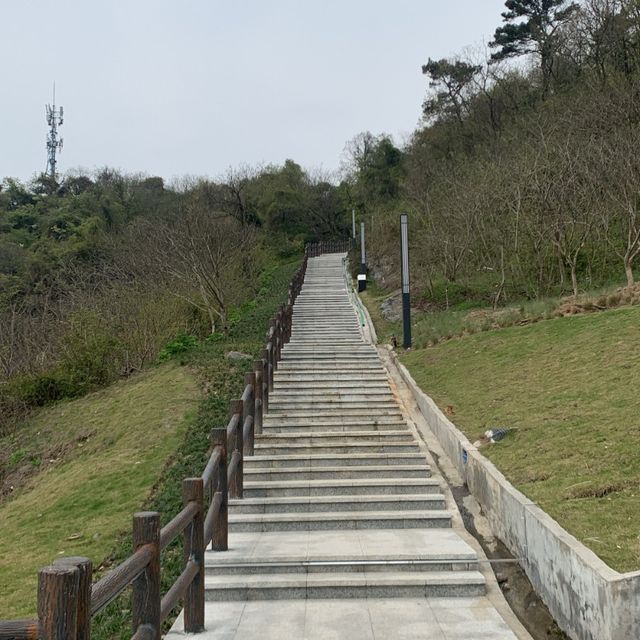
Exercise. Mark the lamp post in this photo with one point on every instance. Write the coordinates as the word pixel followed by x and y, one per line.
pixel 406 291
pixel 362 277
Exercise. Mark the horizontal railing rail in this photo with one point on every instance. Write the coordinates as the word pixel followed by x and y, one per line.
pixel 67 599
pixel 315 249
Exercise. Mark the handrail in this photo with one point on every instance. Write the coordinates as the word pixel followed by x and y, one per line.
pixel 20 630
pixel 170 599
pixel 68 617
pixel 108 588
pixel 175 527
pixel 214 461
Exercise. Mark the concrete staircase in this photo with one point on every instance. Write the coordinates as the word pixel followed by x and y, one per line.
pixel 335 458
pixel 340 503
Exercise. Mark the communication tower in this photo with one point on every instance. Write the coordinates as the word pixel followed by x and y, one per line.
pixel 54 144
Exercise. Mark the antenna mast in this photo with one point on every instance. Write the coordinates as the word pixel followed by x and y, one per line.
pixel 54 120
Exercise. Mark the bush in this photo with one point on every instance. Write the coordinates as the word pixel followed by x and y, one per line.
pixel 458 296
pixel 41 389
pixel 91 355
pixel 179 345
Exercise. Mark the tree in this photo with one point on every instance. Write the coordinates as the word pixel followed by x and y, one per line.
pixel 207 259
pixel 532 27
pixel 373 168
pixel 451 80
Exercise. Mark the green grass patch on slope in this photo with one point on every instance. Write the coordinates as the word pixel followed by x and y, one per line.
pixel 100 455
pixel 569 387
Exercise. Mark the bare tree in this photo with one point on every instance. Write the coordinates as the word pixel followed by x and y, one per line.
pixel 210 258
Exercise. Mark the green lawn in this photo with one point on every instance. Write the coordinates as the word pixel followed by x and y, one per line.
pixel 570 388
pixel 100 456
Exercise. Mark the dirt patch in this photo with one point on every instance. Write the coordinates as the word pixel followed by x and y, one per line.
pixel 17 472
pixel 589 490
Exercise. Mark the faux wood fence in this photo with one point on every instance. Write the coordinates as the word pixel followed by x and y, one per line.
pixel 315 249
pixel 67 599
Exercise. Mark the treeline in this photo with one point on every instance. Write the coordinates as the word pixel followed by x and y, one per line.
pixel 99 273
pixel 523 181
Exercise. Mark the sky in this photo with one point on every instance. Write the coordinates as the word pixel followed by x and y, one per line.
pixel 192 87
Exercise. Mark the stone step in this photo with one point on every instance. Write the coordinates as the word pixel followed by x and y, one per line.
pixel 338 416
pixel 337 389
pixel 363 448
pixel 340 487
pixel 332 352
pixel 387 584
pixel 333 438
pixel 373 421
pixel 332 520
pixel 338 429
pixel 324 460
pixel 353 377
pixel 330 367
pixel 304 566
pixel 320 504
pixel 341 355
pixel 332 406
pixel 347 337
pixel 277 474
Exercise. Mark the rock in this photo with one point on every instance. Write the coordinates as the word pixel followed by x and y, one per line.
pixel 391 307
pixel 238 355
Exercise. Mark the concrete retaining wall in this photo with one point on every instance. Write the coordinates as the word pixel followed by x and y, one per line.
pixel 588 599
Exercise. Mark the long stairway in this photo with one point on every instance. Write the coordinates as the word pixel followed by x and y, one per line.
pixel 343 521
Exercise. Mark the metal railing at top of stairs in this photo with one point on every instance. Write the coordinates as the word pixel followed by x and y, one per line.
pixel 316 249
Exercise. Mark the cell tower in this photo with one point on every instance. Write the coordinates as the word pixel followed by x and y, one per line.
pixel 54 120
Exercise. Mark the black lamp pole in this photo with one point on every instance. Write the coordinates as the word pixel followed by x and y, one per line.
pixel 406 291
pixel 362 278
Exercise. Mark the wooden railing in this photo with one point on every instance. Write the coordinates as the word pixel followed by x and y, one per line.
pixel 67 599
pixel 315 249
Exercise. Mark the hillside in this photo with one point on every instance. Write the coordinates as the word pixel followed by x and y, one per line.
pixel 568 388
pixel 99 458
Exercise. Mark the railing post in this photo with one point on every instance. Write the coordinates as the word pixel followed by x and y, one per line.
pixel 58 602
pixel 193 491
pixel 265 381
pixel 249 415
pixel 278 334
pixel 259 409
pixel 234 444
pixel 83 617
pixel 270 359
pixel 146 587
pixel 220 537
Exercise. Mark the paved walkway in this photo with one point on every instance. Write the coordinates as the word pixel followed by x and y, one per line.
pixel 344 531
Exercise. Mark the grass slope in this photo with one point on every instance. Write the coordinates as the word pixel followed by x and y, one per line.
pixel 570 387
pixel 108 449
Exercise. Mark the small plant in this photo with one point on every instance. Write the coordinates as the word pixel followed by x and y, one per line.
pixel 17 457
pixel 177 346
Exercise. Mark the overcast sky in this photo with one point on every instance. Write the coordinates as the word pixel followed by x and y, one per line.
pixel 194 86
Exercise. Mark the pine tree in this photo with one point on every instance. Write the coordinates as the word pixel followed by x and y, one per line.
pixel 531 27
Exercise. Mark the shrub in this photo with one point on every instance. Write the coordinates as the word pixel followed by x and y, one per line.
pixel 177 346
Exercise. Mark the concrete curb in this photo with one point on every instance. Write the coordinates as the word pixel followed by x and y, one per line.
pixel 588 599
